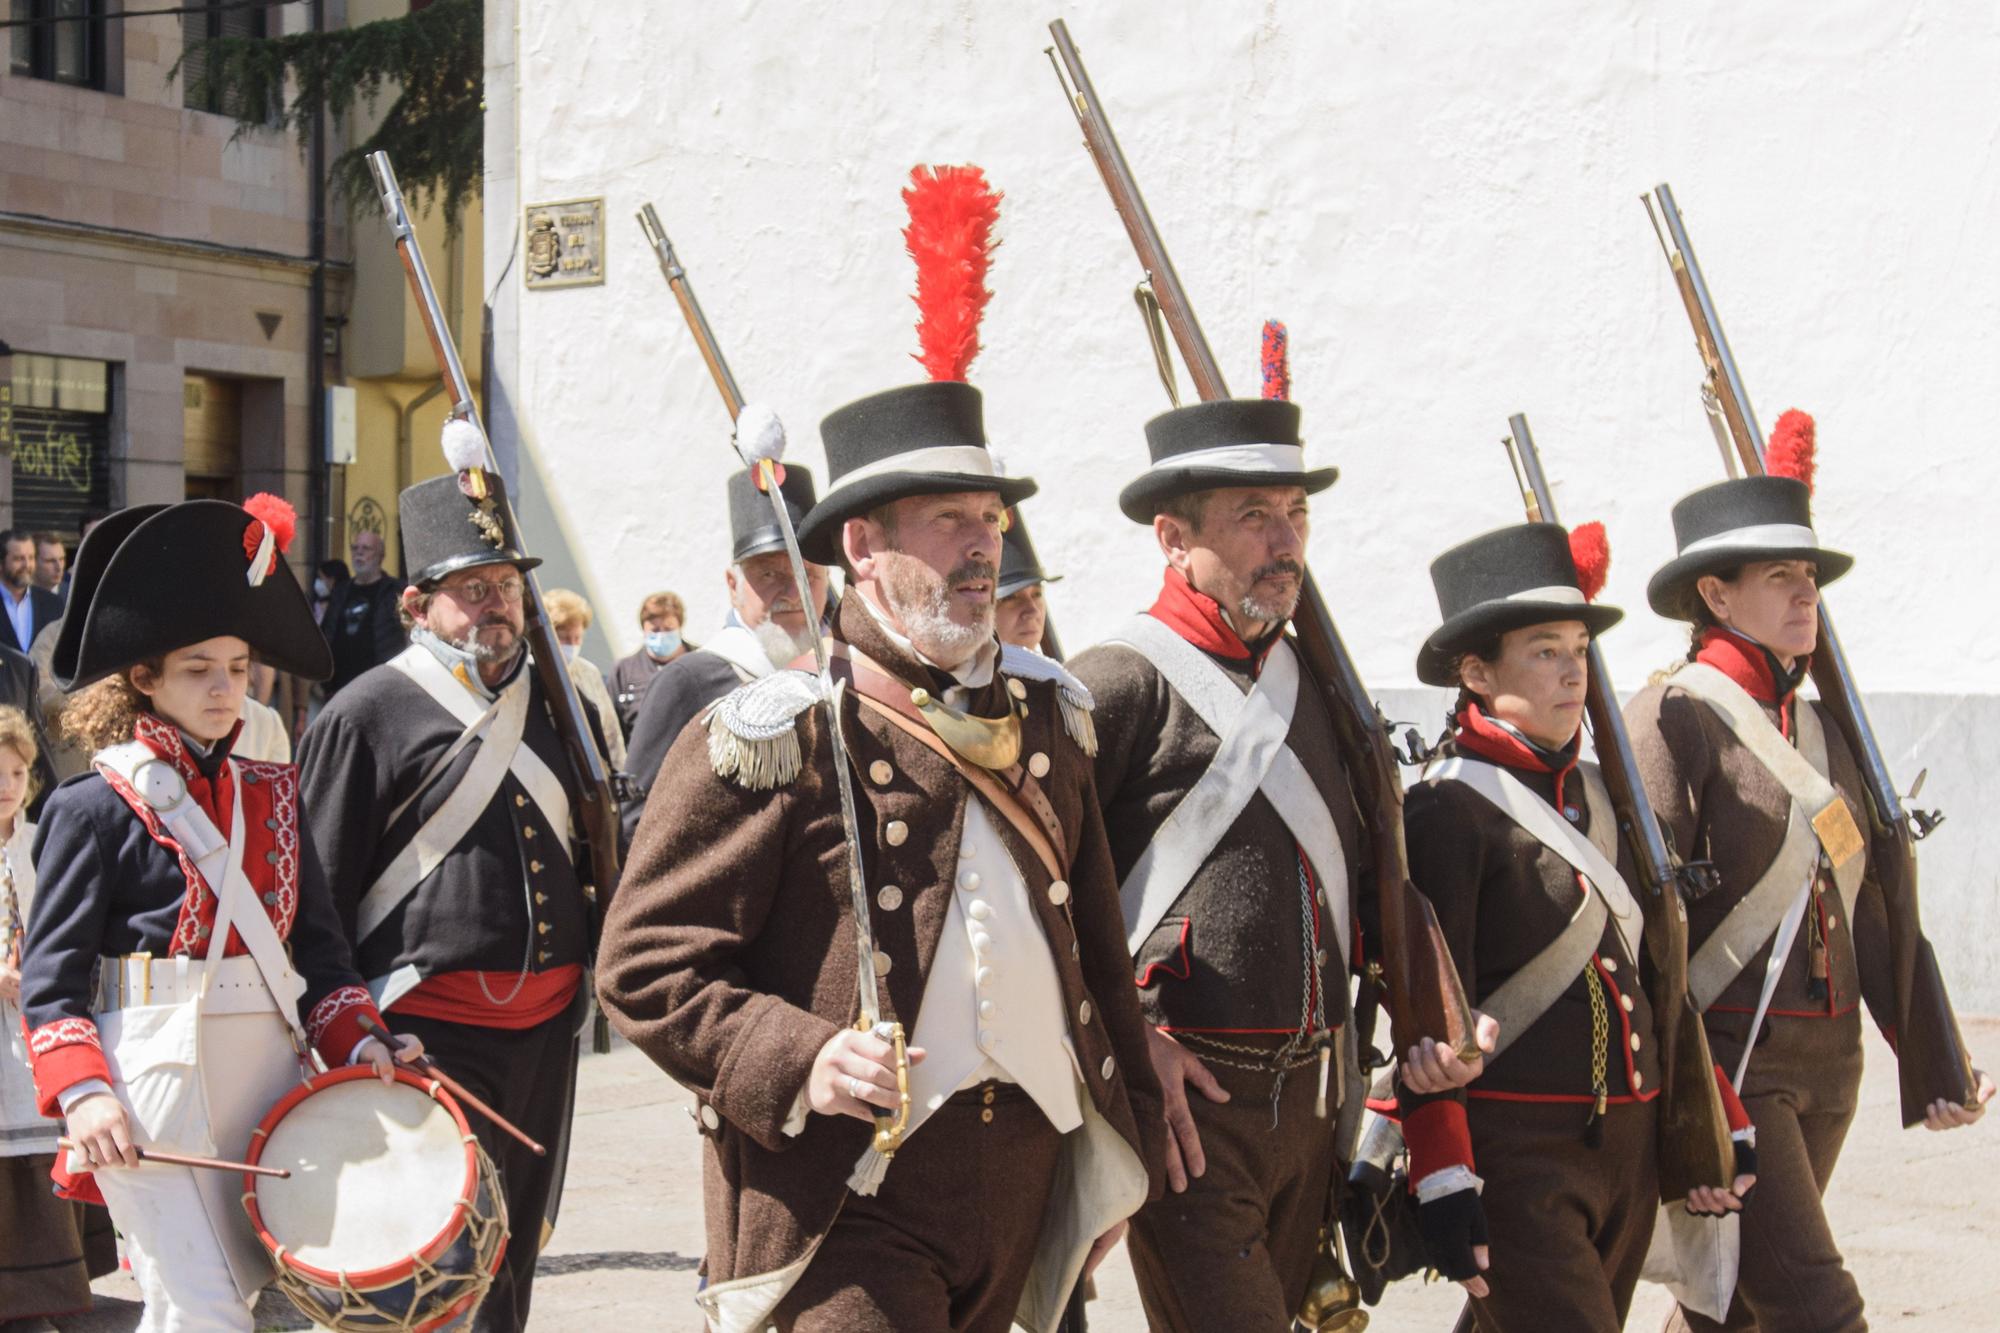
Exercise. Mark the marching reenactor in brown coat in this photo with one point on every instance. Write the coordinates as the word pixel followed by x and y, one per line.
pixel 1234 876
pixel 1515 842
pixel 1796 935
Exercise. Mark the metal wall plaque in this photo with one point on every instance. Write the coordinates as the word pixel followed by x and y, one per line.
pixel 565 244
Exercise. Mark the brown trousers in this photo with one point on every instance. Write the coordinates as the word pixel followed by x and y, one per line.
pixel 948 1241
pixel 50 1248
pixel 1569 1223
pixel 1235 1251
pixel 1804 1081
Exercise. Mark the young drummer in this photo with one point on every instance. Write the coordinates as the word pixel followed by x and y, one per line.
pixel 171 871
pixel 1747 579
pixel 1562 1124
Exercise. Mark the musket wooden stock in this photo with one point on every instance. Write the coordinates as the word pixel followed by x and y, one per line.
pixel 1426 997
pixel 198 1163
pixel 1931 1059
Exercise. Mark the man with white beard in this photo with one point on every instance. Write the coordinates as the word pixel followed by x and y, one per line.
pixel 766 629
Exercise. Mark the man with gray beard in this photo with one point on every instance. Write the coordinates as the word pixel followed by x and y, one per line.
pixel 766 629
pixel 443 820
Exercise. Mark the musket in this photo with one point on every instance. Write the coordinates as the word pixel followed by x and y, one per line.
pixel 889 1128
pixel 1426 998
pixel 1932 1063
pixel 597 807
pixel 1694 1132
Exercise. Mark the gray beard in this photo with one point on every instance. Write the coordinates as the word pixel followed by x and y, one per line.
pixel 780 644
pixel 926 618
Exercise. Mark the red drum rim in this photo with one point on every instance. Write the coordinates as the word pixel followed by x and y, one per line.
pixel 389 1274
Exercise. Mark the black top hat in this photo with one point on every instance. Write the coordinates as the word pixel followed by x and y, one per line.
pixel 921 439
pixel 1734 522
pixel 1509 579
pixel 1227 442
pixel 753 524
pixel 155 578
pixel 1018 566
pixel 445 529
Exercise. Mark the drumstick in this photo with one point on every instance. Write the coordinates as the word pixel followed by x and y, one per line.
pixel 453 1086
pixel 202 1163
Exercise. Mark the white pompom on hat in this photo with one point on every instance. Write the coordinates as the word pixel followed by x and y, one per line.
pixel 464 446
pixel 759 434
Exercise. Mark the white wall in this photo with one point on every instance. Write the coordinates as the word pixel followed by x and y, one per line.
pixel 1441 202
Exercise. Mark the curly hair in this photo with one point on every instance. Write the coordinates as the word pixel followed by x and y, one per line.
pixel 566 609
pixel 18 734
pixel 105 713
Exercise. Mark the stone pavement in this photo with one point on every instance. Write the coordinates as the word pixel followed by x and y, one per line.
pixel 1913 1211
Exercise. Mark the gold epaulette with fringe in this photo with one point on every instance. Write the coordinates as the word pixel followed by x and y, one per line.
pixel 753 735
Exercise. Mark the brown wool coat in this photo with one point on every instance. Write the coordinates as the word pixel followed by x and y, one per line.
pixel 1721 805
pixel 729 952
pixel 1501 898
pixel 1227 954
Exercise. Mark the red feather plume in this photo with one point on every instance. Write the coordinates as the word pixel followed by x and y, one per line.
pixel 952 211
pixel 1791 450
pixel 273 512
pixel 1590 550
pixel 1276 361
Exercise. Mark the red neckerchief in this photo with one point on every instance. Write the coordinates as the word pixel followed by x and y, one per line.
pixel 1495 744
pixel 1198 618
pixel 1749 665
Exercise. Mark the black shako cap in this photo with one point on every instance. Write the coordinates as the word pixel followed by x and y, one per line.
pixel 1733 523
pixel 445 530
pixel 753 523
pixel 892 445
pixel 1018 566
pixel 1480 590
pixel 1177 440
pixel 155 578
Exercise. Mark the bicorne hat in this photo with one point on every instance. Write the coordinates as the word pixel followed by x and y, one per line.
pixel 446 528
pixel 1505 580
pixel 1019 568
pixel 1227 442
pixel 154 578
pixel 1735 522
pixel 753 524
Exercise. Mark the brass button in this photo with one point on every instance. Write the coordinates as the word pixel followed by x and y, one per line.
pixel 881 772
pixel 541 898
pixel 896 833
pixel 541 955
pixel 1108 1065
pixel 542 926
pixel 1635 1041
pixel 1038 764
pixel 921 698
pixel 890 898
pixel 1610 964
pixel 527 830
pixel 519 800
pixel 883 962
pixel 1625 1003
pixel 986 1116
pixel 1016 688
pixel 989 1096
pixel 709 1119
pixel 1059 892
pixel 534 867
pixel 1083 1013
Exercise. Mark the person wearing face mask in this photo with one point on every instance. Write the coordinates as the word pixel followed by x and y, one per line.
pixel 569 614
pixel 1783 952
pixel 661 617
pixel 766 628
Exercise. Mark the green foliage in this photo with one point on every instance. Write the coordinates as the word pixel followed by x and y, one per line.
pixel 432 59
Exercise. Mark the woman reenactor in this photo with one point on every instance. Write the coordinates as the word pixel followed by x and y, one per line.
pixel 1797 933
pixel 182 957
pixel 1514 841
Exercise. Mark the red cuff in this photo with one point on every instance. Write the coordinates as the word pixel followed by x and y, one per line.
pixel 1732 1105
pixel 1438 1137
pixel 65 1053
pixel 334 1026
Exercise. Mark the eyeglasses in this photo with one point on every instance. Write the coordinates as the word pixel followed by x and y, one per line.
pixel 474 591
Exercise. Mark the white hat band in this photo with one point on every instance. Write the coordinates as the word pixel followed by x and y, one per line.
pixel 1239 458
pixel 971 459
pixel 1554 592
pixel 1758 536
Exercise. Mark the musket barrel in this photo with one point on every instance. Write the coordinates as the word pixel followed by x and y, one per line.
pixel 697 318
pixel 1671 213
pixel 398 213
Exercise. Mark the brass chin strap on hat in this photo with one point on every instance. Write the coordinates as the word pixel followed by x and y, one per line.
pixel 990 742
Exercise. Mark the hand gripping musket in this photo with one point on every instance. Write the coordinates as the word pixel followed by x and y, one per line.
pixel 598 808
pixel 1932 1063
pixel 1426 996
pixel 1694 1129
pixel 889 1128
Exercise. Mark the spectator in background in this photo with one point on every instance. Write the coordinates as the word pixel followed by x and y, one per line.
pixel 660 617
pixel 85 521
pixel 28 608
pixel 1021 615
pixel 51 562
pixel 361 621
pixel 63 756
pixel 332 573
pixel 569 616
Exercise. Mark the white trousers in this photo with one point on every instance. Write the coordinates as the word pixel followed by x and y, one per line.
pixel 180 1266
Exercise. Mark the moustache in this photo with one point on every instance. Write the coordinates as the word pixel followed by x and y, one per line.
pixel 495 622
pixel 970 570
pixel 1277 567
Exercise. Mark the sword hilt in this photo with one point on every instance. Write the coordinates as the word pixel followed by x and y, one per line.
pixel 889 1129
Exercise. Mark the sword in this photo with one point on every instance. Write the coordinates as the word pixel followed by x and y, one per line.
pixel 761 455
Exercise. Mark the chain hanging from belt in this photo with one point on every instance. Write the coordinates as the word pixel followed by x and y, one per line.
pixel 1600 1034
pixel 16 929
pixel 1311 1040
